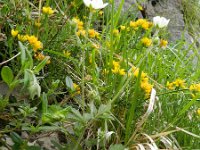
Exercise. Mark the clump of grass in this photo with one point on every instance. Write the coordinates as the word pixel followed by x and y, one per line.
pixel 191 9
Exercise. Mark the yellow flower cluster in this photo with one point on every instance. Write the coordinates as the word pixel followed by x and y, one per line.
pixel 195 88
pixel 81 31
pixel 77 88
pixel 145 85
pixel 163 43
pixel 117 68
pixel 34 42
pixel 40 57
pixel 178 83
pixel 22 37
pixel 92 33
pixel 47 10
pixel 146 41
pixel 14 33
pixel 78 22
pixel 141 23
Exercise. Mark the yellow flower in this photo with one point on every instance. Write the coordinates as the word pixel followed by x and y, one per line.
pixel 37 24
pixel 116 32
pixel 140 21
pixel 145 25
pixel 92 33
pixel 32 39
pixel 135 71
pixel 34 42
pixel 133 24
pixel 40 57
pixel 170 86
pixel 179 83
pixel 195 87
pixel 77 88
pixel 140 7
pixel 79 23
pixel 144 77
pixel 146 41
pixel 163 43
pixel 147 87
pixel 122 72
pixel 66 53
pixel 14 33
pixel 198 111
pixel 122 27
pixel 81 33
pixel 101 13
pixel 116 64
pixel 47 10
pixel 21 37
pixel 117 69
pixel 37 45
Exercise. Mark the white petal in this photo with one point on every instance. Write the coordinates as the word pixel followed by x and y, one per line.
pixel 96 4
pixel 108 134
pixel 87 2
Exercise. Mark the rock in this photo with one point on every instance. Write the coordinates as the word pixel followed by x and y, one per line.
pixel 45 142
pixel 17 92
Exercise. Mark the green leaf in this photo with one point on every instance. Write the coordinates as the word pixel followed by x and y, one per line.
pixel 44 103
pixel 23 53
pixel 117 147
pixel 16 138
pixel 28 77
pixel 41 65
pixel 117 15
pixel 69 83
pixel 34 89
pixel 7 75
pixel 29 62
pixel 3 102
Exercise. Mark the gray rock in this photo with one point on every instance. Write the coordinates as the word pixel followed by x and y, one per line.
pixel 46 141
pixel 17 92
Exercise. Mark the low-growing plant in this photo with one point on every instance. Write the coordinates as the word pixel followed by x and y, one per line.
pixel 104 81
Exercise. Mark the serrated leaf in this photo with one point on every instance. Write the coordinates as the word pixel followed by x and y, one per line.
pixel 7 75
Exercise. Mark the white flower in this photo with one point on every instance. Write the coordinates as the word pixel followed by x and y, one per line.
pixel 161 22
pixel 108 134
pixel 96 4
